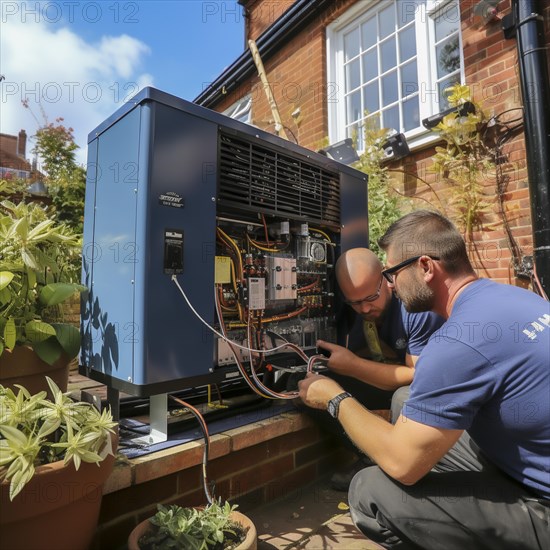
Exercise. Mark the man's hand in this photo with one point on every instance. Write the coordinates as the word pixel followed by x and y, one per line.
pixel 316 390
pixel 341 360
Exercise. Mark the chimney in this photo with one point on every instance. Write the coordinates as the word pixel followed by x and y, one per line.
pixel 22 144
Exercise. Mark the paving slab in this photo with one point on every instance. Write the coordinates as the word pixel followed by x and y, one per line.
pixel 314 517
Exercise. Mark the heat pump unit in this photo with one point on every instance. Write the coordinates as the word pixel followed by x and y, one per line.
pixel 247 224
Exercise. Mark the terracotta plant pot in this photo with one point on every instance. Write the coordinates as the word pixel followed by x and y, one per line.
pixel 58 508
pixel 23 366
pixel 249 543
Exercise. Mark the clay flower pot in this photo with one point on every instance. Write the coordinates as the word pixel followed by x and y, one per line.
pixel 58 508
pixel 23 366
pixel 249 543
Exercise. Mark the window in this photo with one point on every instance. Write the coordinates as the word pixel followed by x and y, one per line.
pixel 390 61
pixel 241 110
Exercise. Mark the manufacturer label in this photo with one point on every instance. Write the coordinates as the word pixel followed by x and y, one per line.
pixel 171 199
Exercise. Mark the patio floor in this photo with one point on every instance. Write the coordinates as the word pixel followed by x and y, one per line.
pixel 314 517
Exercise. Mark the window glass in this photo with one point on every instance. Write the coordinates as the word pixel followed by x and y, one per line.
pixel 369 33
pixel 393 52
pixel 371 95
pixel 391 118
pixel 389 88
pixel 407 43
pixel 353 74
pixel 447 22
pixel 407 11
pixel 386 18
pixel 448 57
pixel 409 79
pixel 354 106
pixel 240 110
pixel 370 65
pixel 411 113
pixel 351 44
pixel 387 54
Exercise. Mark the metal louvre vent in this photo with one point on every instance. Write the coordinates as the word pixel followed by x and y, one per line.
pixel 253 177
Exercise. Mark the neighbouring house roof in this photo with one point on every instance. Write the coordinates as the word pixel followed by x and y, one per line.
pixel 296 18
pixel 8 159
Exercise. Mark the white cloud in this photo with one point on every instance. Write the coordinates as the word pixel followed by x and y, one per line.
pixel 82 82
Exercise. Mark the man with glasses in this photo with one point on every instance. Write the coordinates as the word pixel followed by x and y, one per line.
pixel 486 370
pixel 387 349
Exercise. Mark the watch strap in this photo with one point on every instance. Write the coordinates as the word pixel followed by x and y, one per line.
pixel 333 406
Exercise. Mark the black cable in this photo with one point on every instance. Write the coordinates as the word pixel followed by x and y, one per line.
pixel 502 181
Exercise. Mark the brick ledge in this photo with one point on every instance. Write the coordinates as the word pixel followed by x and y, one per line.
pixel 134 471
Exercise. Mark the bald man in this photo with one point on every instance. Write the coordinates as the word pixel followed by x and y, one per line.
pixel 387 350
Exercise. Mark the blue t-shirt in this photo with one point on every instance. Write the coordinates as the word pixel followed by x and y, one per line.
pixel 402 331
pixel 487 370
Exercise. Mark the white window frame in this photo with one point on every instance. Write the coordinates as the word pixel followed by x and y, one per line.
pixel 427 72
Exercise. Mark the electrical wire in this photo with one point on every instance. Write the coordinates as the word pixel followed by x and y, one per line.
pixel 271 393
pixel 204 428
pixel 240 366
pixel 228 241
pixel 265 231
pixel 310 286
pixel 537 284
pixel 292 346
pixel 502 180
pixel 265 248
pixel 212 329
pixel 321 233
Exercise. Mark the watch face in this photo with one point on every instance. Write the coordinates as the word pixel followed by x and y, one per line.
pixel 331 408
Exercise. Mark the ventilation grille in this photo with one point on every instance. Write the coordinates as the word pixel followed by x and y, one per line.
pixel 253 177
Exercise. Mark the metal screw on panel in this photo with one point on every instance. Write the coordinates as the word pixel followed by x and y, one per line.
pixel 213 199
pixel 210 370
pixel 132 281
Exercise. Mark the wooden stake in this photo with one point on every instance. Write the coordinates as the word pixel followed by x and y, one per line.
pixel 267 89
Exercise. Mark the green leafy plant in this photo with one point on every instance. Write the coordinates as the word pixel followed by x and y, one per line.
pixel 37 275
pixel 208 528
pixel 385 206
pixel 14 186
pixel 465 162
pixel 66 179
pixel 35 431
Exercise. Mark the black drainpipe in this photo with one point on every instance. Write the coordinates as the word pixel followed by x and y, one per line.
pixel 535 89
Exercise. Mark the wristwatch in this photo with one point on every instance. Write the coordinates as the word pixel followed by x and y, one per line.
pixel 334 404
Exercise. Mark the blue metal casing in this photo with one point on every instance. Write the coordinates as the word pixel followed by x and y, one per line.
pixel 138 335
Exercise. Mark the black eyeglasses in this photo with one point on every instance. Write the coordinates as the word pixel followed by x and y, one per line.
pixel 371 298
pixel 389 273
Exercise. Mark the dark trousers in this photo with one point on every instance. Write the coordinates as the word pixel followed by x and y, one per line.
pixel 460 510
pixel 464 503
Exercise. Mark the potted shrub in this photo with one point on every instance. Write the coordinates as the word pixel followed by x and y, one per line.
pixel 39 270
pixel 55 455
pixel 213 527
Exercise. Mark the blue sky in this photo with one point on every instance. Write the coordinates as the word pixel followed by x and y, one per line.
pixel 81 60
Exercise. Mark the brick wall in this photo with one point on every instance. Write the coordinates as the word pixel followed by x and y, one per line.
pixel 297 74
pixel 250 465
pixel 260 14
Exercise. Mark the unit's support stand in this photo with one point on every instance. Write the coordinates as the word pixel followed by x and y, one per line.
pixel 158 422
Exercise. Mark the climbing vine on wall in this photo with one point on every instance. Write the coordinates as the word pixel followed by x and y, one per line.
pixel 465 162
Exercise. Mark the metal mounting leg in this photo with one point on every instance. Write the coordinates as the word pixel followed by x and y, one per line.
pixel 158 422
